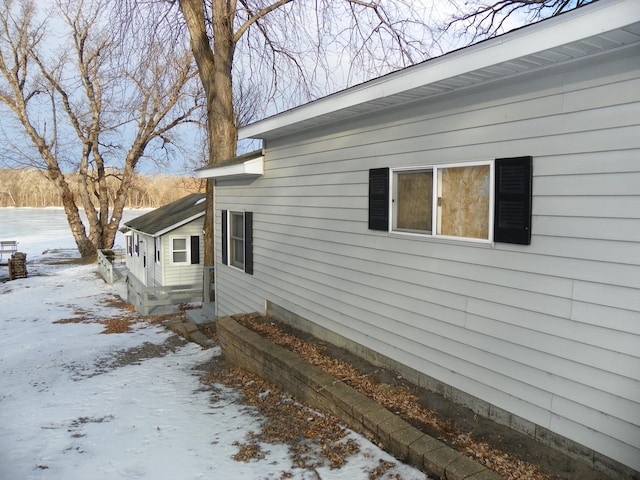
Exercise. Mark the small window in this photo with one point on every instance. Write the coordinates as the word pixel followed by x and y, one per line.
pixel 130 245
pixel 156 245
pixel 236 239
pixel 179 250
pixel 447 201
pixel 137 244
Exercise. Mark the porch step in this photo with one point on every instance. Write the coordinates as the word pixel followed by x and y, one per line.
pixel 201 315
pixel 190 331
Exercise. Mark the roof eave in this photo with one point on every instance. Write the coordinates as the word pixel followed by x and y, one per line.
pixel 252 168
pixel 553 33
pixel 177 225
pixel 168 228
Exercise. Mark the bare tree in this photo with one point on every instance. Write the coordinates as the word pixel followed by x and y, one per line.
pixel 293 51
pixel 274 54
pixel 95 106
pixel 487 18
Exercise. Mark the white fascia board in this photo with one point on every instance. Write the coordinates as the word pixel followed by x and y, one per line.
pixel 177 225
pixel 581 23
pixel 250 168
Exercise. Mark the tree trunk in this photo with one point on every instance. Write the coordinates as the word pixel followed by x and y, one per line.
pixel 214 68
pixel 85 246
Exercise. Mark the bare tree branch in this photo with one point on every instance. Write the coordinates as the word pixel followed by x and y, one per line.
pixel 255 16
pixel 105 108
pixel 482 19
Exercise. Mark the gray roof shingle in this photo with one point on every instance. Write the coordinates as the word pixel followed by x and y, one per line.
pixel 173 214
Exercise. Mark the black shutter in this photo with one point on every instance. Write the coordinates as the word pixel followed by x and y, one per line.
pixel 195 249
pixel 379 199
pixel 224 238
pixel 512 220
pixel 248 242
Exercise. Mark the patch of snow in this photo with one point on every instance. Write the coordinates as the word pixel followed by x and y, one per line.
pixel 69 410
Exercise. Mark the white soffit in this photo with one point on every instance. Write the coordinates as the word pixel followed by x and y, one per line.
pixel 247 169
pixel 589 30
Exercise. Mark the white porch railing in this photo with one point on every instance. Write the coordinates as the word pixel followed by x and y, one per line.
pixel 207 313
pixel 209 285
pixel 159 300
pixel 111 265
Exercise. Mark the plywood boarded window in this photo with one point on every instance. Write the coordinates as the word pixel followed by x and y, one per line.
pixel 463 197
pixel 444 200
pixel 414 201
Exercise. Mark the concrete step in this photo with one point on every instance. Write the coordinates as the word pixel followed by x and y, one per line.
pixel 200 315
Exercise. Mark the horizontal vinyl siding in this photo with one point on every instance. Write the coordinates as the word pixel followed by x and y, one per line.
pixel 135 262
pixel 186 274
pixel 549 331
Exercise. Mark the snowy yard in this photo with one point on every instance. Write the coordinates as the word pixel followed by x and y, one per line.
pixel 71 408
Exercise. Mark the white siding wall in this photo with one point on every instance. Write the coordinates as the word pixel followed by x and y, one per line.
pixel 182 274
pixel 550 331
pixel 135 262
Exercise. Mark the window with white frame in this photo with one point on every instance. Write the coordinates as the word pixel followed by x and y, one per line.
pixel 179 250
pixel 488 201
pixel 236 239
pixel 444 200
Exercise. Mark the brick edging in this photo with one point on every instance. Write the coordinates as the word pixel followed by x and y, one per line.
pixel 315 387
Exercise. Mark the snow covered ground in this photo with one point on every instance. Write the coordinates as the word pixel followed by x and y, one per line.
pixel 70 410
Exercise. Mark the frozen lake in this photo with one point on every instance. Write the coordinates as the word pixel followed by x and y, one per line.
pixel 40 229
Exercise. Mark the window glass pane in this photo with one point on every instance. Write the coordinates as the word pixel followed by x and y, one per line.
pixel 236 240
pixel 464 201
pixel 237 253
pixel 179 257
pixel 237 225
pixel 179 251
pixel 414 201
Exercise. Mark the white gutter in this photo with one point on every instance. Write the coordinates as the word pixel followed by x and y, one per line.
pixel 248 169
pixel 584 22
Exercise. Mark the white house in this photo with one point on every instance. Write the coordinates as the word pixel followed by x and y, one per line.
pixel 164 255
pixel 472 221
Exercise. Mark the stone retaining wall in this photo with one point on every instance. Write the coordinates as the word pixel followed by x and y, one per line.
pixel 312 386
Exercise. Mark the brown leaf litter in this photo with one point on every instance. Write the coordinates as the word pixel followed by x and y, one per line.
pixel 397 399
pixel 314 439
pixel 121 323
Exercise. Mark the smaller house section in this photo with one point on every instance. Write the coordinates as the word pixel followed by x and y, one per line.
pixel 471 222
pixel 164 256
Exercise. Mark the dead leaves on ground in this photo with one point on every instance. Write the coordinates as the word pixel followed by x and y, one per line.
pixel 398 400
pixel 118 324
pixel 312 437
